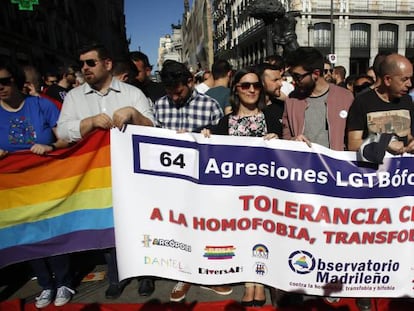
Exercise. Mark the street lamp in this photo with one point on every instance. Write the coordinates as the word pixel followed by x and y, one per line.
pixel 310 28
pixel 332 30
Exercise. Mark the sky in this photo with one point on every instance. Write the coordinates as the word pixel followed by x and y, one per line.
pixel 148 20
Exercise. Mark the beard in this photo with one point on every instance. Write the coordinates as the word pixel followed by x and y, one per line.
pixel 307 89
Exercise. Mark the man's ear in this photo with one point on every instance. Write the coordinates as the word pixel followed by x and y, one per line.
pixel 108 64
pixel 190 82
pixel 387 80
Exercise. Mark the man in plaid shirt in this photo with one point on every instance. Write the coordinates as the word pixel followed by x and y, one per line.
pixel 183 108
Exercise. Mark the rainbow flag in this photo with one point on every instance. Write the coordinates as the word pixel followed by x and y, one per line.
pixel 55 204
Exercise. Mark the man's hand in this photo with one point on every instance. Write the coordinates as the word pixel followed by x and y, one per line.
pixel 206 133
pixel 270 136
pixel 123 116
pixel 304 139
pixel 89 124
pixel 396 147
pixel 3 153
pixel 410 147
pixel 102 121
pixel 41 149
pixel 129 115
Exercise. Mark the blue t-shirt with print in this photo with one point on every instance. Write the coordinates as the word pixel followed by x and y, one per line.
pixel 32 124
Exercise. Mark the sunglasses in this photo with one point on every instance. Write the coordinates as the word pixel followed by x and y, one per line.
pixel 247 85
pixel 325 71
pixel 89 62
pixel 299 77
pixel 6 81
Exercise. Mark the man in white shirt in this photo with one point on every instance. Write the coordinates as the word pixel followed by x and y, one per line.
pixel 103 101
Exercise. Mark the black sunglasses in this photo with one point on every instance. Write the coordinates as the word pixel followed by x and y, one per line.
pixel 299 77
pixel 89 62
pixel 247 85
pixel 6 81
pixel 325 71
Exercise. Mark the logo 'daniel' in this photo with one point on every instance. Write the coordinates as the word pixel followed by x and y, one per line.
pixel 302 262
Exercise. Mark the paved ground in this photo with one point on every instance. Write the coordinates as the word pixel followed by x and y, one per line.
pixel 15 282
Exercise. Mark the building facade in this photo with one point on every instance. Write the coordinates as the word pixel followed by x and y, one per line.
pixel 51 34
pixel 352 32
pixel 197 35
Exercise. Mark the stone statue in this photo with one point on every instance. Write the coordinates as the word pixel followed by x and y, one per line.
pixel 280 26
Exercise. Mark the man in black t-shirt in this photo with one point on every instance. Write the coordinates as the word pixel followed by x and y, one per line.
pixel 67 80
pixel 381 119
pixel 385 112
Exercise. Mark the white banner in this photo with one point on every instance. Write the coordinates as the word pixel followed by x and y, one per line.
pixel 226 209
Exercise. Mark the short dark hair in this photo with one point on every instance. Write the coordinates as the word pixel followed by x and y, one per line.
pixel 174 73
pixel 15 71
pixel 138 55
pixel 220 69
pixel 121 66
pixel 308 57
pixel 276 60
pixel 262 67
pixel 340 70
pixel 103 52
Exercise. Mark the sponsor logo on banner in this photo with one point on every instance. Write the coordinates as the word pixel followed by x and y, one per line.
pixel 301 262
pixel 166 263
pixel 260 268
pixel 359 275
pixel 260 251
pixel 219 252
pixel 236 269
pixel 147 242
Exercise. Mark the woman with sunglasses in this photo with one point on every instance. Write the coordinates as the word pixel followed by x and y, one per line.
pixel 28 123
pixel 249 117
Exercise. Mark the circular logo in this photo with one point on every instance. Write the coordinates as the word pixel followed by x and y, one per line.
pixel 301 262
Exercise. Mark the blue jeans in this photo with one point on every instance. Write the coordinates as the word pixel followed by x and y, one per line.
pixel 52 272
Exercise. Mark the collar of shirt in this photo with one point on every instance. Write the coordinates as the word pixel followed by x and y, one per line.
pixel 114 86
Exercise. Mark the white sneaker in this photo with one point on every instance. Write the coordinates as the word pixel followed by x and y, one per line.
pixel 63 296
pixel 44 299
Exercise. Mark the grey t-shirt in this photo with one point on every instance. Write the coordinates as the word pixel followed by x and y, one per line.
pixel 316 124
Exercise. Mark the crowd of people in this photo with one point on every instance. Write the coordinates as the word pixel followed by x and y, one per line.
pixel 302 97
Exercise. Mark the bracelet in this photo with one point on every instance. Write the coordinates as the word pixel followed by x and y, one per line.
pixel 53 146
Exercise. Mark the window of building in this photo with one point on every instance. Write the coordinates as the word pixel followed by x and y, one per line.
pixel 409 39
pixel 388 37
pixel 360 35
pixel 322 35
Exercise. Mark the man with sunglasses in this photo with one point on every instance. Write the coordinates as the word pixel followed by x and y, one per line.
pixel 103 102
pixel 328 71
pixel 316 110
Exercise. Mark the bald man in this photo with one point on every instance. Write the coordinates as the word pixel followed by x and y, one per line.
pixel 385 112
